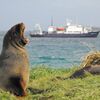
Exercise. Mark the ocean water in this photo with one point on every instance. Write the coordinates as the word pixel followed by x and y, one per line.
pixel 58 52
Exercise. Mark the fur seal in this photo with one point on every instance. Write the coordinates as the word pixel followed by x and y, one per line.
pixel 91 64
pixel 93 69
pixel 14 64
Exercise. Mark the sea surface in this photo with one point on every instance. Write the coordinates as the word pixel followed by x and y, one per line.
pixel 58 52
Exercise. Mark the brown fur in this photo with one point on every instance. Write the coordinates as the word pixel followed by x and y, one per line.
pixel 14 65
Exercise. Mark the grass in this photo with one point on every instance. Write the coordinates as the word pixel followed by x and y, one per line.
pixel 52 84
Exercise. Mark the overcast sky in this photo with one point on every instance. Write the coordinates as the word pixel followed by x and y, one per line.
pixel 31 12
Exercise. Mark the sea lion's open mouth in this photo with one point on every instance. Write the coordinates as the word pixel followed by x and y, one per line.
pixel 21 40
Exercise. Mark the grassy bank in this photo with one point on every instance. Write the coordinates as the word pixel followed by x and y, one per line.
pixel 52 84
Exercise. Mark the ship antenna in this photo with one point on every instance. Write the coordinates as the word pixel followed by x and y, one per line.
pixel 52 21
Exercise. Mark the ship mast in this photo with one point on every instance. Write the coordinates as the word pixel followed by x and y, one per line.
pixel 51 21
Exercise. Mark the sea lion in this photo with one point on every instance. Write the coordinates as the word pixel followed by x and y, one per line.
pixel 91 64
pixel 14 64
pixel 93 69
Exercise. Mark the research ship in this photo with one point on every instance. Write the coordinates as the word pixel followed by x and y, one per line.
pixel 67 31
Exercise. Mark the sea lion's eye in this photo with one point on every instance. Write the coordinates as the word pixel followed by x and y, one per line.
pixel 16 33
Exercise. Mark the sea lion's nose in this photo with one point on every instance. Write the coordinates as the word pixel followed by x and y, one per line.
pixel 22 23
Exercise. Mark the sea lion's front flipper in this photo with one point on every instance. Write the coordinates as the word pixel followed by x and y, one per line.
pixel 18 86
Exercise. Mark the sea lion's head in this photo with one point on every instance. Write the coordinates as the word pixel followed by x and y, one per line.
pixel 15 36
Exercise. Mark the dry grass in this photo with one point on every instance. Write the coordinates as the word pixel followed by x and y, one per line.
pixel 93 58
